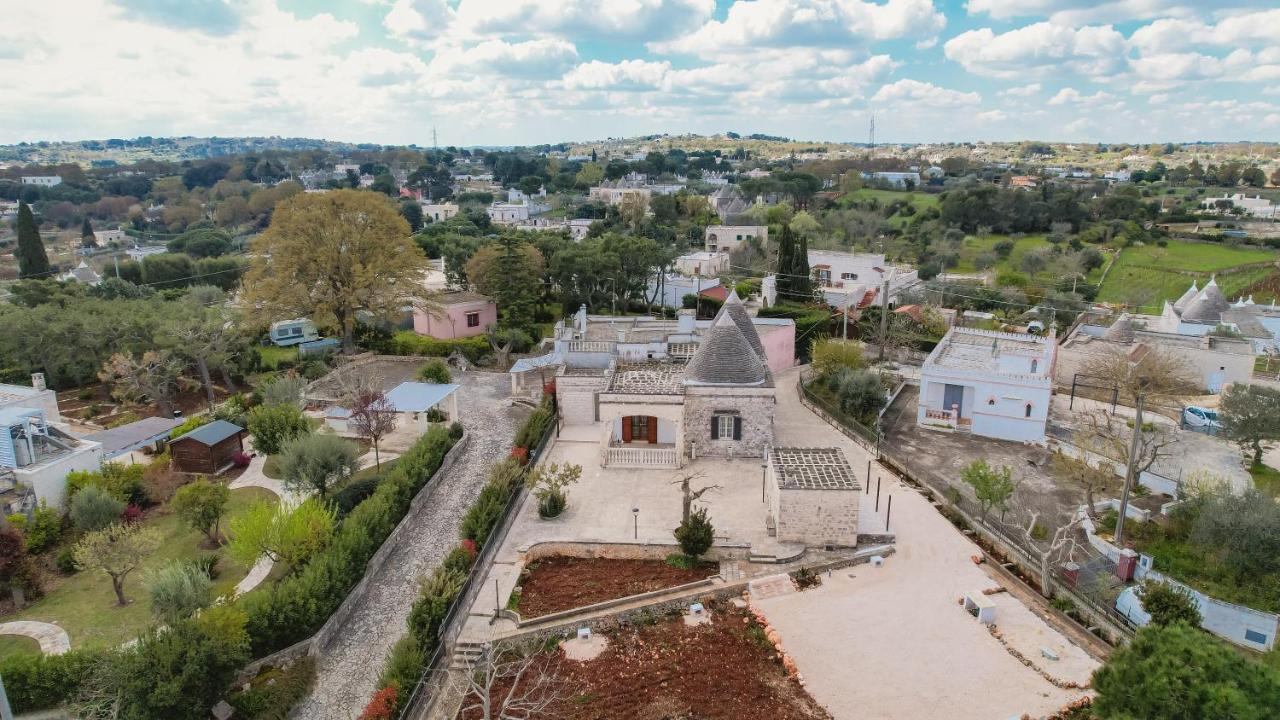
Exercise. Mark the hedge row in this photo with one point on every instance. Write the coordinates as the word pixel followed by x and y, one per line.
pixel 409 655
pixel 407 342
pixel 298 606
pixel 38 682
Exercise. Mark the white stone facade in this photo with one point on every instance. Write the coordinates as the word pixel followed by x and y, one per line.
pixel 726 238
pixel 989 383
pixel 754 407
pixel 812 497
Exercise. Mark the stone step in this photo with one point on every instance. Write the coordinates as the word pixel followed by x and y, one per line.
pixel 772 586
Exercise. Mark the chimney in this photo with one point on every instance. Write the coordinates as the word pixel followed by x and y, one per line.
pixel 37 381
pixel 685 321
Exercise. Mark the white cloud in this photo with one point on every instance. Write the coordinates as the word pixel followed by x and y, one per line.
pixel 993 116
pixel 1039 48
pixel 1081 12
pixel 927 94
pixel 1073 97
pixel 628 74
pixel 1245 29
pixel 751 24
pixel 1022 90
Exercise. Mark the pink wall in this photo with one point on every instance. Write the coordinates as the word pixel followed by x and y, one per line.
pixel 779 345
pixel 451 322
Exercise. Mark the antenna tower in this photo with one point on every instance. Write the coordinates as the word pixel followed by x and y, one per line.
pixel 873 131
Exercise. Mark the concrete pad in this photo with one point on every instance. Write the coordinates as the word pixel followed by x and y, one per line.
pixel 584 650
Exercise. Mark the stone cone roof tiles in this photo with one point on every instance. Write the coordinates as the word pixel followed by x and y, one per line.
pixel 1208 305
pixel 734 308
pixel 1120 331
pixel 725 357
pixel 1181 303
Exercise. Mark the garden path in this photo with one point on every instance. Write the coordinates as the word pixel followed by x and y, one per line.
pixel 348 669
pixel 53 639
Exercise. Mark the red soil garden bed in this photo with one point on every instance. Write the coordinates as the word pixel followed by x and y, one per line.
pixel 671 671
pixel 564 583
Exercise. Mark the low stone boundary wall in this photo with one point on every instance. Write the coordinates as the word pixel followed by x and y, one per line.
pixel 319 642
pixel 606 604
pixel 624 551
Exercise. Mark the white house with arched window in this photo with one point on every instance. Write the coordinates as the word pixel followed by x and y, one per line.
pixel 994 384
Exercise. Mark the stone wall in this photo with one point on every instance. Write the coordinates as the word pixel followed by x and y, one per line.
pixel 754 405
pixel 817 517
pixel 577 397
pixel 625 551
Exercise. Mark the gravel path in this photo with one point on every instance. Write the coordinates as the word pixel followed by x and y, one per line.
pixel 349 668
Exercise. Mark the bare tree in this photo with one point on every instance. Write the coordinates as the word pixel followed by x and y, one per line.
pixel 689 494
pixel 1145 375
pixel 1052 549
pixel 158 376
pixel 372 417
pixel 1103 436
pixel 506 683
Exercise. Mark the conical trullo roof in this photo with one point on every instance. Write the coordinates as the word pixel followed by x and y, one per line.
pixel 1208 305
pixel 1120 331
pixel 1181 303
pixel 725 357
pixel 735 309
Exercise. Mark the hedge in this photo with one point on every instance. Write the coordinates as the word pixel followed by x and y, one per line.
pixel 39 682
pixel 811 323
pixel 299 605
pixel 408 342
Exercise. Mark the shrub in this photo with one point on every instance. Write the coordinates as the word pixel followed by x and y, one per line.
pixel 552 504
pixel 190 424
pixel 273 426
pixel 240 460
pixel 40 682
pixel 1168 604
pixel 122 482
pixel 455 430
pixel 1003 248
pixel 298 605
pixel 696 534
pixel 831 355
pixel 314 463
pixel 548 484
pixel 488 507
pixel 404 666
pixel 160 481
pixel 65 560
pixel 436 415
pixel 132 514
pixel 284 390
pixel 44 529
pixel 407 342
pixel 207 563
pixel 272 695
pixel 435 371
pixel 382 706
pixel 352 494
pixel 93 509
pixel 859 393
pixel 177 590
pixel 806 578
pixel 536 425
pixel 435 596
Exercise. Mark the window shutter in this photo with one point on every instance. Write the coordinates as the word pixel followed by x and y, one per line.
pixel 715 427
pixel 737 427
pixel 626 429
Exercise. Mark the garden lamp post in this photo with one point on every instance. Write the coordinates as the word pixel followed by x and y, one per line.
pixel 635 522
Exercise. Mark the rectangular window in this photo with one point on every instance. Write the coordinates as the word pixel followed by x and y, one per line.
pixel 639 428
pixel 848 276
pixel 473 319
pixel 726 426
pixel 1255 637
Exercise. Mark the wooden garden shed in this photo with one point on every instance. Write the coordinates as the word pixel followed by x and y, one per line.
pixel 208 449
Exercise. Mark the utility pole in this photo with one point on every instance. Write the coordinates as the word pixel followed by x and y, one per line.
pixel 884 316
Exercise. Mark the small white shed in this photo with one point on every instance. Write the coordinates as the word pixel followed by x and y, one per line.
pixel 979 605
pixel 416 400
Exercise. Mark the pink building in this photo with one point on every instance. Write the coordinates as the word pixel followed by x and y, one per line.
pixel 461 314
pixel 778 335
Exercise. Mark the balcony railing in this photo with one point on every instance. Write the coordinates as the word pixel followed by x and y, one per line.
pixel 591 346
pixel 642 457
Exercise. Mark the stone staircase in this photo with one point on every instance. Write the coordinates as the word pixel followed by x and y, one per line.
pixel 466 654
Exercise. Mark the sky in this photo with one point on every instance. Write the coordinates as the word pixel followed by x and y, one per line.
pixel 503 72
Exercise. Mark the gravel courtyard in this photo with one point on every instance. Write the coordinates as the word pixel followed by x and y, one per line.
pixel 349 668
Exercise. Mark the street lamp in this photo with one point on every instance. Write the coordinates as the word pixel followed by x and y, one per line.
pixel 635 522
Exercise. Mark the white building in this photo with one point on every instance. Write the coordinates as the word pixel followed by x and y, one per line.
pixel 856 280
pixel 102 238
pixel 726 238
pixel 508 213
pixel 36 450
pixel 669 289
pixel 989 383
pixel 1117 176
pixel 894 179
pixel 439 212
pixel 614 195
pixel 702 263
pixel 42 180
pixel 1256 206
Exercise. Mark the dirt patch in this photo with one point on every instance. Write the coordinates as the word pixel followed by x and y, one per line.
pixel 669 671
pixel 563 583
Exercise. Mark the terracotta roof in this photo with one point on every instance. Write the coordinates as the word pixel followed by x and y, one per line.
pixel 725 357
pixel 716 293
pixel 912 311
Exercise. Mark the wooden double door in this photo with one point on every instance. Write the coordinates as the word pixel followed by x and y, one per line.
pixel 640 428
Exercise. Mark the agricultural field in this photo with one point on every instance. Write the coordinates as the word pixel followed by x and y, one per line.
pixel 1148 275
pixel 920 200
pixel 975 245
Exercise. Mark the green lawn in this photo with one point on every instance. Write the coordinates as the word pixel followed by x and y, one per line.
pixel 11 645
pixel 1149 275
pixel 272 356
pixel 85 606
pixel 974 246
pixel 1266 479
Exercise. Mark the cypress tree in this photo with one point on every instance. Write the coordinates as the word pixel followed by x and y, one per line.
pixel 786 256
pixel 32 259
pixel 802 283
pixel 86 234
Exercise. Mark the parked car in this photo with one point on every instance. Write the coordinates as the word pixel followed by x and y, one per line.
pixel 1201 417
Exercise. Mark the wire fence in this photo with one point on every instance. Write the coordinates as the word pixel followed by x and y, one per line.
pixel 434 676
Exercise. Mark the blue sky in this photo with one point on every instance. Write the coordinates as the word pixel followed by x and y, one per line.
pixel 533 71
